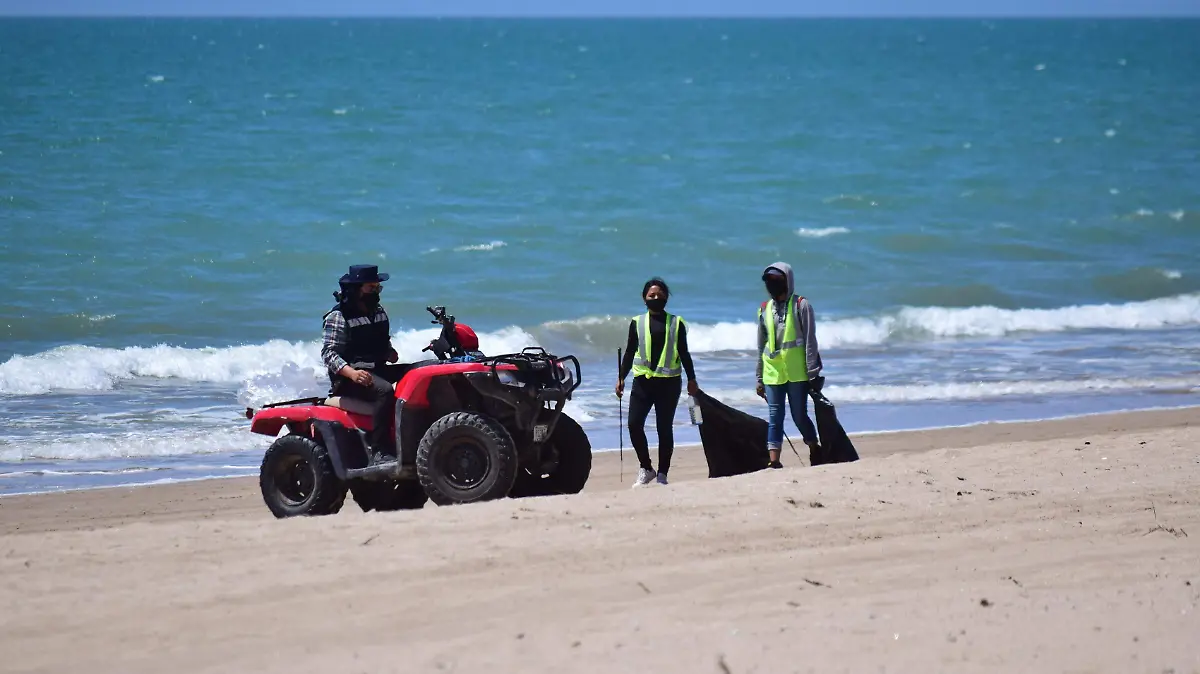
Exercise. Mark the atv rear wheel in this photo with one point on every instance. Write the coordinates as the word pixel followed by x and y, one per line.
pixel 571 454
pixel 297 478
pixel 466 457
pixel 389 495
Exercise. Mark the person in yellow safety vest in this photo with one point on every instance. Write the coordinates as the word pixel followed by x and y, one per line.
pixel 788 357
pixel 657 354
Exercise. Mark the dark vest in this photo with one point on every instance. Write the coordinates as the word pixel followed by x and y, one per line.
pixel 367 337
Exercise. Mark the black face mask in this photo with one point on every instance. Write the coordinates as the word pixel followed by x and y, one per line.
pixel 370 301
pixel 777 286
pixel 657 304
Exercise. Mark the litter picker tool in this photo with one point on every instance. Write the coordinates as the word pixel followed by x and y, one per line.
pixel 620 420
pixel 798 457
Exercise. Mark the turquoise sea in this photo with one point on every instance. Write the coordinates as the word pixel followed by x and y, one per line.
pixel 994 220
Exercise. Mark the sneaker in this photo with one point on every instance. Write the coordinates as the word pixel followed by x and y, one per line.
pixel 662 478
pixel 644 477
pixel 774 464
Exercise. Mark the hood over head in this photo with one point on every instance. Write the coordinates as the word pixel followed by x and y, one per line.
pixel 787 272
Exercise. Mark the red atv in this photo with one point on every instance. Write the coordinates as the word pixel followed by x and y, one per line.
pixel 468 428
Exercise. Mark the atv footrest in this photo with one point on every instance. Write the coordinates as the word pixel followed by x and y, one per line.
pixel 391 470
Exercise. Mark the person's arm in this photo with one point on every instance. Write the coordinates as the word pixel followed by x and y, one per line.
pixel 808 328
pixel 333 341
pixel 762 344
pixel 631 346
pixel 685 357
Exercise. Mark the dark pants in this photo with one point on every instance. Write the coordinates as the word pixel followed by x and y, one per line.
pixel 382 397
pixel 661 393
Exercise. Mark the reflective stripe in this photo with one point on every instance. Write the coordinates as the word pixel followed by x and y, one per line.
pixel 773 327
pixel 643 355
pixel 668 353
pixel 366 320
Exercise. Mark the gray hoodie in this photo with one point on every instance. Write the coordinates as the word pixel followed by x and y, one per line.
pixel 806 326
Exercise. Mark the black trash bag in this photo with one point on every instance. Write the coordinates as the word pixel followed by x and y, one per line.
pixel 834 444
pixel 734 442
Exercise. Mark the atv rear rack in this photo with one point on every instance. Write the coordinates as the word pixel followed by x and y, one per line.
pixel 299 401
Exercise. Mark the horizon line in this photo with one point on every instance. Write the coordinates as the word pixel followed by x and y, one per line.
pixel 592 16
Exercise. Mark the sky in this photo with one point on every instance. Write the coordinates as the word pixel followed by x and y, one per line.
pixel 347 8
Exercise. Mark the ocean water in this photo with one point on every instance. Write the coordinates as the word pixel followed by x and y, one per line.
pixel 994 220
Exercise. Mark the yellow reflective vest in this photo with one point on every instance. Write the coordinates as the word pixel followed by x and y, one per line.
pixel 784 362
pixel 668 362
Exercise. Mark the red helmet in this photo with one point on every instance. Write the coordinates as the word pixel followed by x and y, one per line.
pixel 466 337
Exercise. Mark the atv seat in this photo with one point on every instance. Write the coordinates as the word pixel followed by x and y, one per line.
pixel 353 405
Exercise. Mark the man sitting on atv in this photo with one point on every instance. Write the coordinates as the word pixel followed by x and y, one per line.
pixel 357 349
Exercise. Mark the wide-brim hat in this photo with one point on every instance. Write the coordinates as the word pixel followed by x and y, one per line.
pixel 364 273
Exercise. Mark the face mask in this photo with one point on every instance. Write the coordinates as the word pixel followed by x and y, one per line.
pixel 657 304
pixel 370 300
pixel 776 286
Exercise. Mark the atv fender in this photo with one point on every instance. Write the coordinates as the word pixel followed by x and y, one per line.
pixel 414 387
pixel 270 420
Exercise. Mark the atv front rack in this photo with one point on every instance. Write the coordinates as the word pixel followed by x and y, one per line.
pixel 539 369
pixel 535 384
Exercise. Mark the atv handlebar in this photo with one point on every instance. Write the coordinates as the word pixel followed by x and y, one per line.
pixel 446 345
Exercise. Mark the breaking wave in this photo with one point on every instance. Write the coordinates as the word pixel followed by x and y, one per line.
pixel 820 233
pixel 481 246
pixel 87 368
pixel 982 390
pixel 142 444
pixel 266 371
pixel 912 324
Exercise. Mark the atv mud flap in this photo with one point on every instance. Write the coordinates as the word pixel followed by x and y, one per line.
pixel 348 455
pixel 411 424
pixel 345 450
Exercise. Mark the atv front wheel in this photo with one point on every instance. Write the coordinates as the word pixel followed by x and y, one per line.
pixel 297 478
pixel 570 452
pixel 389 495
pixel 466 457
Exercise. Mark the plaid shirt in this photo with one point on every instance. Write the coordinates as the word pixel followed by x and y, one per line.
pixel 336 338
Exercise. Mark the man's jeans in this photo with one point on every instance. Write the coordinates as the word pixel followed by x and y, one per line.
pixel 797 394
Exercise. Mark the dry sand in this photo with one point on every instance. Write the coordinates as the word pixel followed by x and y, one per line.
pixel 1061 546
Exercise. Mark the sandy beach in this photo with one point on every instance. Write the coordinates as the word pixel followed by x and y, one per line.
pixel 1059 546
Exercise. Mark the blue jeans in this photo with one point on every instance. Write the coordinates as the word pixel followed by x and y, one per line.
pixel 797 394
